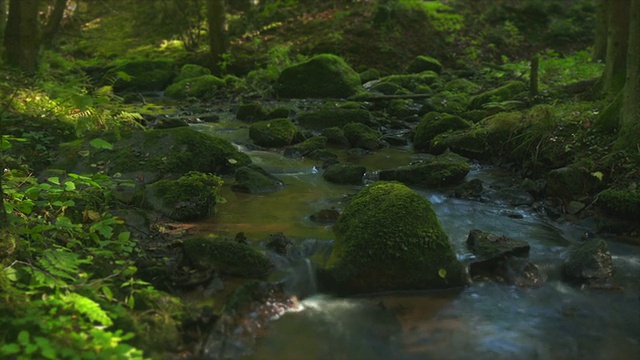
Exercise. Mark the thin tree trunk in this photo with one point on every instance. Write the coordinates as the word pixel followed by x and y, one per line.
pixel 53 23
pixel 217 33
pixel 3 16
pixel 533 77
pixel 629 135
pixel 21 35
pixel 602 20
pixel 618 35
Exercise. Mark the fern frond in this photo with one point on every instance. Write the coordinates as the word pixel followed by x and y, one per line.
pixel 88 308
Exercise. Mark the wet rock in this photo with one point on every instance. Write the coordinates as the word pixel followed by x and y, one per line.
pixel 335 136
pixel 507 269
pixel 362 136
pixel 534 187
pixel 424 63
pixel 433 124
pixel 168 123
pixel 279 243
pixel 273 133
pixel 279 112
pixel 388 238
pixel 330 117
pixel 469 190
pixel 323 76
pixel 325 216
pixel 190 197
pixel 569 181
pixel 588 261
pixel 514 196
pixel 624 203
pixel 225 257
pixel 413 82
pixel 449 102
pixel 201 87
pixel 306 147
pixel 443 170
pixel 574 207
pixel 344 174
pixel 323 155
pixel 253 179
pixel 487 245
pixel 252 112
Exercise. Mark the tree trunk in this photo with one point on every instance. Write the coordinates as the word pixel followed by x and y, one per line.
pixel 21 35
pixel 3 16
pixel 217 33
pixel 618 34
pixel 602 20
pixel 629 135
pixel 53 23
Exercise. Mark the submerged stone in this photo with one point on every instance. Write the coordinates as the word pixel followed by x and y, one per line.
pixel 253 179
pixel 590 260
pixel 487 245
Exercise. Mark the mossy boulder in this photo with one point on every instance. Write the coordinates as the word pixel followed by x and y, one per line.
pixel 472 143
pixel 462 86
pixel 424 63
pixel 253 111
pixel 306 147
pixel 624 203
pixel 444 170
pixel 279 112
pixel 335 136
pixel 449 102
pixel 505 92
pixel 143 75
pixel 323 76
pixel 330 117
pixel 253 179
pixel 388 238
pixel 389 88
pixel 412 82
pixel 273 133
pixel 189 71
pixel 190 197
pixel 225 257
pixel 150 155
pixel 344 174
pixel 433 124
pixel 361 136
pixel 570 181
pixel 200 87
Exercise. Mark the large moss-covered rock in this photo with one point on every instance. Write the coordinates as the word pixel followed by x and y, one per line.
pixel 226 257
pixel 201 87
pixel 444 170
pixel 624 203
pixel 433 124
pixel 190 197
pixel 253 179
pixel 330 117
pixel 388 238
pixel 424 63
pixel 344 174
pixel 449 102
pixel 472 143
pixel 306 147
pixel 461 85
pixel 505 92
pixel 273 133
pixel 189 71
pixel 323 76
pixel 362 136
pixel 413 82
pixel 143 75
pixel 570 181
pixel 150 155
pixel 252 111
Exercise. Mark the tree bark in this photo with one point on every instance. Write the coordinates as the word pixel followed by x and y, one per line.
pixel 3 17
pixel 617 39
pixel 217 33
pixel 53 23
pixel 21 35
pixel 602 20
pixel 629 135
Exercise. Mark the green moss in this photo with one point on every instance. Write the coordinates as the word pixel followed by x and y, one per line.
pixel 424 63
pixel 389 88
pixel 226 256
pixel 413 81
pixel 608 120
pixel 433 124
pixel 255 180
pixel 362 136
pixel 325 118
pixel 344 174
pixel 144 75
pixel 311 145
pixel 471 142
pixel 191 197
pixel 389 238
pixel 503 93
pixel 253 111
pixel 323 76
pixel 273 133
pixel 189 71
pixel 449 102
pixel 444 170
pixel 335 136
pixel 462 86
pixel 199 87
pixel 622 203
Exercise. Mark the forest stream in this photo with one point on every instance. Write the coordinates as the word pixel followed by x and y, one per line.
pixel 554 320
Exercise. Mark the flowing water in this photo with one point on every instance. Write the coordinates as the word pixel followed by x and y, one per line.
pixel 482 321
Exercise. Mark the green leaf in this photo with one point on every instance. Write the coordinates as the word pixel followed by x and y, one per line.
pixel 10 349
pixel 107 293
pixel 101 144
pixel 597 174
pixel 69 186
pixel 442 273
pixel 23 337
pixel 54 180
